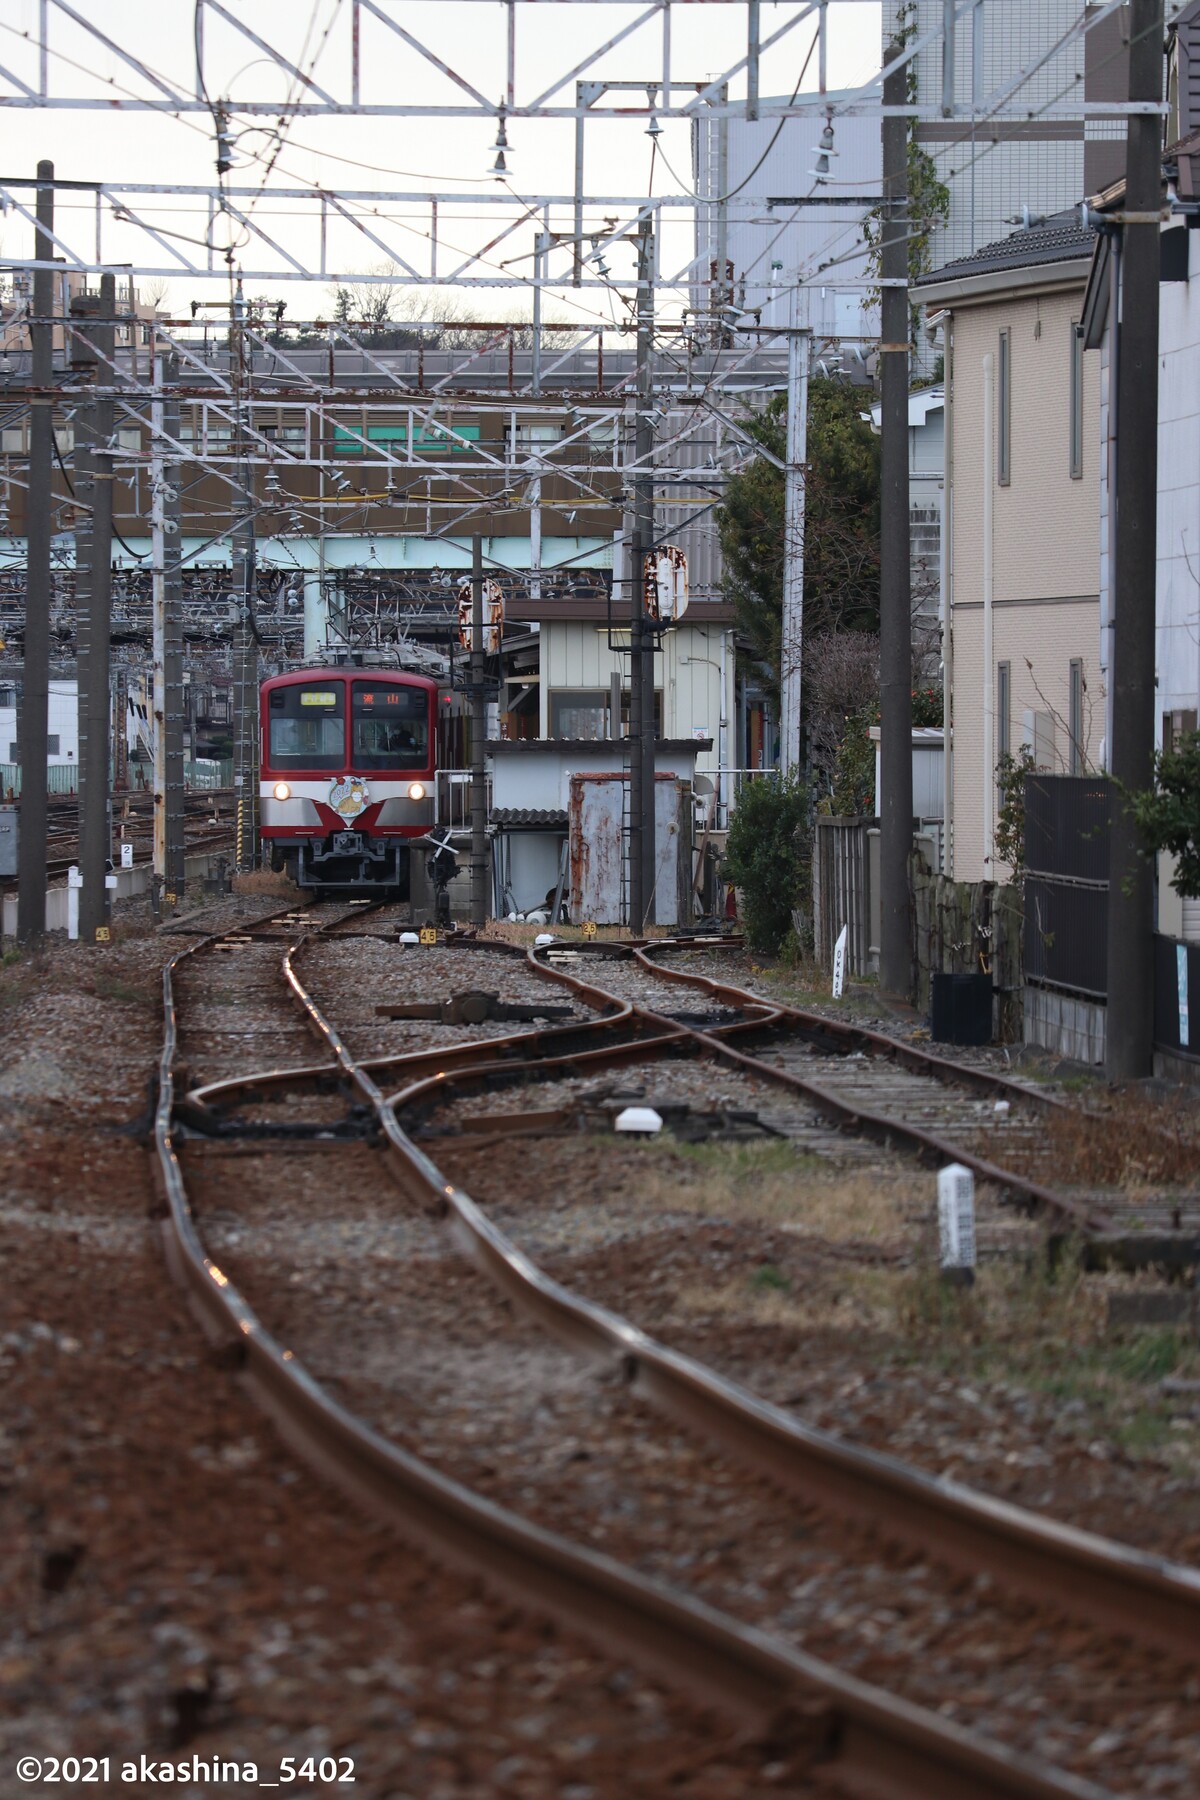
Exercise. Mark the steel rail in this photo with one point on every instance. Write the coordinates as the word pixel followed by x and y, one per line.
pixel 883 1747
pixel 1125 1590
pixel 842 1032
pixel 882 1127
pixel 874 1744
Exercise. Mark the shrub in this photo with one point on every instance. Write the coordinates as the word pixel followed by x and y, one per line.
pixel 767 858
pixel 1168 815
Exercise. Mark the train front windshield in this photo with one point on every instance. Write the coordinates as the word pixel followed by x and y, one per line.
pixel 307 726
pixel 390 727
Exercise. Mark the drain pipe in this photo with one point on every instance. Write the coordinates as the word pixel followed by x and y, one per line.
pixel 1108 593
pixel 989 711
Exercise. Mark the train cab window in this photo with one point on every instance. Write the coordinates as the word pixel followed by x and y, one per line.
pixel 308 726
pixel 391 726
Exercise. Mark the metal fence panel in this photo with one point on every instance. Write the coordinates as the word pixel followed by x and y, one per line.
pixel 1066 884
pixel 61 778
pixel 1066 826
pixel 1066 929
pixel 841 891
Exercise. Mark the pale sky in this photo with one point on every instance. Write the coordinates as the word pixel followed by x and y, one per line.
pixel 431 156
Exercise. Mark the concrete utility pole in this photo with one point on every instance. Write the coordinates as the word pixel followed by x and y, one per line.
pixel 478 732
pixel 641 631
pixel 93 555
pixel 1129 1043
pixel 792 634
pixel 895 614
pixel 35 704
pixel 245 637
pixel 167 580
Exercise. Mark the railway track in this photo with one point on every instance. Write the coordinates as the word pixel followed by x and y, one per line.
pixel 745 1663
pixel 208 824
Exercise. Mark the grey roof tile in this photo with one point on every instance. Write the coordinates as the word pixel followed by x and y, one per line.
pixel 1060 239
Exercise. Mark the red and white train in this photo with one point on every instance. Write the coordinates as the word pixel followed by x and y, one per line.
pixel 347 775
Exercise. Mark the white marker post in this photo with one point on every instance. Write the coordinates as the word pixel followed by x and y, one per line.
pixel 74 883
pixel 839 962
pixel 956 1224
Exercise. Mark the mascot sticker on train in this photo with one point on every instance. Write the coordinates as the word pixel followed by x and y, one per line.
pixel 348 796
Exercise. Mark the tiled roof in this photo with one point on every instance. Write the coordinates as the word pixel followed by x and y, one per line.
pixel 1060 239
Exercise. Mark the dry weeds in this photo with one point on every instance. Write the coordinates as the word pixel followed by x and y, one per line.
pixel 1132 1141
pixel 773 1184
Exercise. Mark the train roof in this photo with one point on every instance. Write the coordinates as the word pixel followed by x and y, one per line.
pixel 340 671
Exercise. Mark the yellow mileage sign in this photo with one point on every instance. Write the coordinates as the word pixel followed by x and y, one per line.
pixel 427 934
pixel 589 928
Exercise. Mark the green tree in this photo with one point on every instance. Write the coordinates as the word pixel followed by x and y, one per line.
pixel 767 858
pixel 1168 815
pixel 841 523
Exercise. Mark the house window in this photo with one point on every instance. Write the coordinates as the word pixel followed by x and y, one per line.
pixel 1004 411
pixel 1175 726
pixel 533 436
pixel 1076 717
pixel 1076 402
pixel 52 748
pixel 579 713
pixel 1003 710
pixel 585 713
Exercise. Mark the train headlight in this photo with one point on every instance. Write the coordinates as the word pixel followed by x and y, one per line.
pixel 282 791
pixel 416 790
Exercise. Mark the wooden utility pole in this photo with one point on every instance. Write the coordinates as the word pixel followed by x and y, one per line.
pixel 792 637
pixel 895 612
pixel 1129 1044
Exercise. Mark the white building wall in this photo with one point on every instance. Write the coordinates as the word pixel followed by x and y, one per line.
pixel 62 723
pixel 1046 541
pixel 770 249
pixel 688 670
pixel 990 181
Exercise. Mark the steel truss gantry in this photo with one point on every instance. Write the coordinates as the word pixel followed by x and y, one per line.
pixel 279 231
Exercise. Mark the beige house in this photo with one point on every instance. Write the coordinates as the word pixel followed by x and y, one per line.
pixel 1022 524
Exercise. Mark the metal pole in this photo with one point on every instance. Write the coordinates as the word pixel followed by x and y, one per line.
pixel 478 786
pixel 722 294
pixel 167 581
pixel 245 650
pixel 158 601
pixel 175 875
pixel 95 825
pixel 792 634
pixel 1129 1044
pixel 895 626
pixel 641 709
pixel 35 704
pixel 577 260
